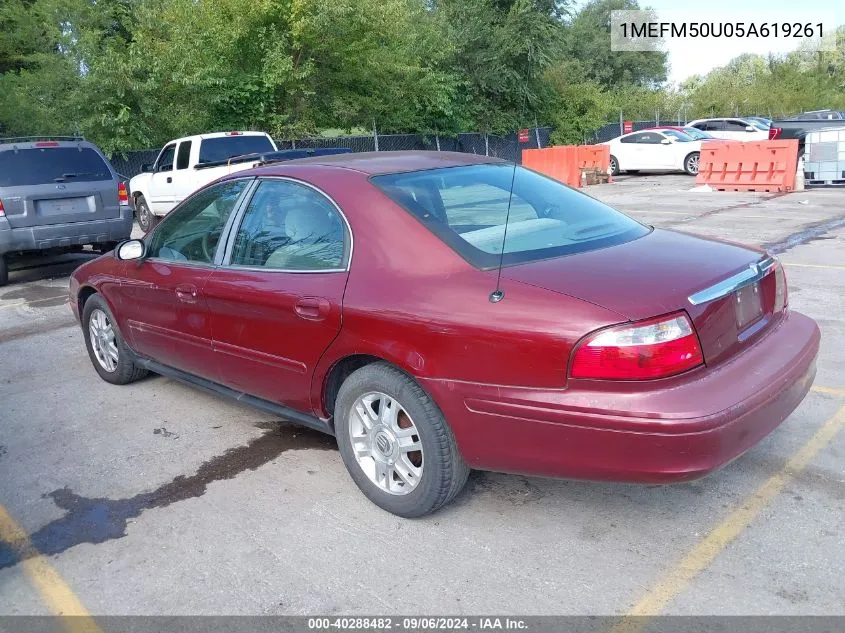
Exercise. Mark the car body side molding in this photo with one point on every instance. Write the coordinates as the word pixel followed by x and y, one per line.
pixel 291 415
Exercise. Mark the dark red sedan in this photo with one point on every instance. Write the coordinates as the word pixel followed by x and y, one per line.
pixel 362 295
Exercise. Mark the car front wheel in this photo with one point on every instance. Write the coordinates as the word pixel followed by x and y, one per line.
pixel 691 164
pixel 614 166
pixel 395 442
pixel 108 351
pixel 4 271
pixel 146 219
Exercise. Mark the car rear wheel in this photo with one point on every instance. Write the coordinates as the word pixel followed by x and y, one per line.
pixel 614 166
pixel 106 348
pixel 146 219
pixel 691 164
pixel 395 442
pixel 4 271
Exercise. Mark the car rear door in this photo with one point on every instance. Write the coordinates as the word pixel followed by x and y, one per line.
pixel 53 182
pixel 276 300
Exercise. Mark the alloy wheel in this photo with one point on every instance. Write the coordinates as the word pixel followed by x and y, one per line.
pixel 103 342
pixel 386 443
pixel 692 164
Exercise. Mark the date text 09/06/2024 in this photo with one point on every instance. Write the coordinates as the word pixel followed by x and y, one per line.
pixel 417 623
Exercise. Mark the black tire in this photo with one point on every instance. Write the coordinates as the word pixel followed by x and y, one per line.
pixel 126 370
pixel 444 471
pixel 614 166
pixel 145 217
pixel 4 271
pixel 691 163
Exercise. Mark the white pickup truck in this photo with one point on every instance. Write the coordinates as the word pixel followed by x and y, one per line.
pixel 186 164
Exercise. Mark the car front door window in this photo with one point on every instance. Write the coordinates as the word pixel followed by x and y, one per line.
pixel 191 233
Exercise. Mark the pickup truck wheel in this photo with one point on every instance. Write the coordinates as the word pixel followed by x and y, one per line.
pixel 395 442
pixel 146 219
pixel 108 352
pixel 4 271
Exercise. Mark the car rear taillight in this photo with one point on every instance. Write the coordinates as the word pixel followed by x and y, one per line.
pixel 774 133
pixel 2 210
pixel 46 144
pixel 122 194
pixel 655 348
pixel 780 288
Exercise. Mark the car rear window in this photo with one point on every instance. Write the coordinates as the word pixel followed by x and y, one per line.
pixel 467 208
pixel 213 150
pixel 46 165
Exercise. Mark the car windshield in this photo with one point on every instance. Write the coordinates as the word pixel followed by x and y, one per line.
pixel 467 207
pixel 213 150
pixel 678 136
pixel 697 134
pixel 758 124
pixel 46 165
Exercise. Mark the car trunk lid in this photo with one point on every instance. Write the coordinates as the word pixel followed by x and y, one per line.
pixel 56 185
pixel 659 273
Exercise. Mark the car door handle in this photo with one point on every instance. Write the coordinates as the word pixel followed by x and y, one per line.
pixel 187 293
pixel 169 179
pixel 313 308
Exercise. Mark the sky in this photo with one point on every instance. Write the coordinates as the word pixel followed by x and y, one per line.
pixel 689 57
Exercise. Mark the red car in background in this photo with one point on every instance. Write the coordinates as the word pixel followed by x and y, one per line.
pixel 438 312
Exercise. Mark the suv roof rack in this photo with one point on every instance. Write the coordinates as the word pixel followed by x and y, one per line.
pixel 47 137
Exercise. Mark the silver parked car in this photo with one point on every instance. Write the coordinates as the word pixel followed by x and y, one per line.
pixel 58 193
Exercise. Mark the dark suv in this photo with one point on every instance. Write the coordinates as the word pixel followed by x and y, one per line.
pixel 58 193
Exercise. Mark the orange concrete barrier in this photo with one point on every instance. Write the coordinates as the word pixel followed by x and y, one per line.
pixel 565 162
pixel 748 165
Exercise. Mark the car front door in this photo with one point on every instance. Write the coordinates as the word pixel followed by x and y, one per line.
pixel 162 189
pixel 183 183
pixel 276 300
pixel 163 309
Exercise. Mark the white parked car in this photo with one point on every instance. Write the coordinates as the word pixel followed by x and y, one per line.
pixel 657 150
pixel 186 164
pixel 732 129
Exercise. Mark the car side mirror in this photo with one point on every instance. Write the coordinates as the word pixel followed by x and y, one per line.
pixel 666 141
pixel 131 249
pixel 749 128
pixel 146 167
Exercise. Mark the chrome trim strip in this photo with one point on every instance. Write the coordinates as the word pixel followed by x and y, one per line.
pixel 755 272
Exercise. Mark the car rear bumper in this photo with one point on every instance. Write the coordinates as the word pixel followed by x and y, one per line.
pixel 677 430
pixel 38 238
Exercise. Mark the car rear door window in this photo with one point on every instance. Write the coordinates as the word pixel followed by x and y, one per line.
pixel 290 226
pixel 191 232
pixel 650 138
pixel 467 207
pixel 183 158
pixel 46 165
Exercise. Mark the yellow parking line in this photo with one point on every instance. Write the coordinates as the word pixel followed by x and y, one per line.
pixel 703 554
pixel 55 593
pixel 796 265
pixel 830 391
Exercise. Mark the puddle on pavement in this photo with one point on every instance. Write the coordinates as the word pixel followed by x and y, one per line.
pixel 96 520
pixel 42 296
pixel 809 233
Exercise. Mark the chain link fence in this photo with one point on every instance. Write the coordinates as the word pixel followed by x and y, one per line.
pixel 610 131
pixel 507 146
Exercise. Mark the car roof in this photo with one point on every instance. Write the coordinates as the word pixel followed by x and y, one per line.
pixel 378 163
pixel 40 143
